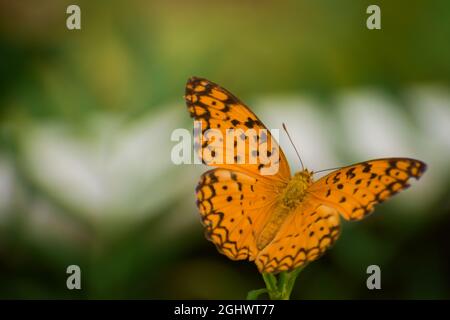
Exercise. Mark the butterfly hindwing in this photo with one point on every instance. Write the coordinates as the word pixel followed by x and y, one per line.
pixel 306 234
pixel 234 206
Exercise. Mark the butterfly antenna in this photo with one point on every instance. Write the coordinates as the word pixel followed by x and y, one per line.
pixel 328 169
pixel 296 151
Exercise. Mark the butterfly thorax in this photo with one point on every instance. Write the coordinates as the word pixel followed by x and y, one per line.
pixel 290 197
pixel 295 190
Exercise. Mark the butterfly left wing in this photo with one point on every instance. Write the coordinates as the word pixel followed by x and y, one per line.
pixel 356 189
pixel 234 206
pixel 218 109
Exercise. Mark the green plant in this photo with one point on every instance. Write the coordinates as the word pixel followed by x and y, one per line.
pixel 278 287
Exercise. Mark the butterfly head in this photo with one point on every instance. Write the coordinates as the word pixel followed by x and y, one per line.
pixel 295 190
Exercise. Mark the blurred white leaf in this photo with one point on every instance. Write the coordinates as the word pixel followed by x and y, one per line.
pixel 118 170
pixel 308 126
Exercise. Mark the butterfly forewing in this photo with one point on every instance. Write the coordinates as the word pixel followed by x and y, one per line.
pixel 356 189
pixel 218 109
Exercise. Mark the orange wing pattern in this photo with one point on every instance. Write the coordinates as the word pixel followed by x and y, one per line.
pixel 237 203
pixel 233 207
pixel 218 109
pixel 353 192
pixel 356 189
pixel 306 234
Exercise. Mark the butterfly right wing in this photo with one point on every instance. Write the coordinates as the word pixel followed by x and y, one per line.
pixel 355 190
pixel 352 192
pixel 304 236
pixel 234 206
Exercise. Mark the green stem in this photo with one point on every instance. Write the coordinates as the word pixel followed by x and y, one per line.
pixel 272 287
pixel 278 288
pixel 289 282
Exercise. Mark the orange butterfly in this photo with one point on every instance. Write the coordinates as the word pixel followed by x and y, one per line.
pixel 281 221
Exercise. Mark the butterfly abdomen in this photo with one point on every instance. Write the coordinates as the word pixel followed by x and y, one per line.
pixel 272 226
pixel 290 197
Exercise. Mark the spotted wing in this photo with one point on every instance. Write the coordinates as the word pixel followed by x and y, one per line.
pixel 216 108
pixel 305 235
pixel 234 206
pixel 356 189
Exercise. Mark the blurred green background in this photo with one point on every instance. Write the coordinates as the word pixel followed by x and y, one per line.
pixel 86 118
